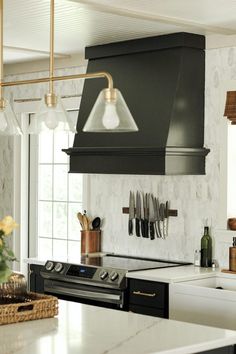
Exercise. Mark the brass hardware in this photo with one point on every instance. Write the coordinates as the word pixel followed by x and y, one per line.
pixel 50 99
pixel 94 75
pixel 51 77
pixel 110 95
pixel 2 103
pixel 144 294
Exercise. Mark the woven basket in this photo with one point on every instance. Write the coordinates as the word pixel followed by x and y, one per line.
pixel 34 306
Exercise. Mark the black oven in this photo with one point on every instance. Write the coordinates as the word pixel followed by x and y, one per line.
pixel 96 280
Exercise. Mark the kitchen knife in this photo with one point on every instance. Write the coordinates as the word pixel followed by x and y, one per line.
pixel 166 219
pixel 131 213
pixel 162 216
pixel 138 214
pixel 142 215
pixel 151 217
pixel 158 229
pixel 145 207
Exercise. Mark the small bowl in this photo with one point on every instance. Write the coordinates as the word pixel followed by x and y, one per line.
pixel 232 223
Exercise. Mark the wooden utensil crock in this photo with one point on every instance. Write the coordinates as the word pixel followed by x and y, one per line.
pixel 90 241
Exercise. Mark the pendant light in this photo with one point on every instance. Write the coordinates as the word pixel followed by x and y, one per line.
pixel 8 120
pixel 51 114
pixel 109 114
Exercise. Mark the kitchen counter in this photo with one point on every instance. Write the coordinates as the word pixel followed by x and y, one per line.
pixel 93 330
pixel 174 274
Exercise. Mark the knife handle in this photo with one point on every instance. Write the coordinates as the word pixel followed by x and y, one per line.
pixel 130 227
pixel 146 228
pixel 151 230
pixel 137 227
pixel 142 228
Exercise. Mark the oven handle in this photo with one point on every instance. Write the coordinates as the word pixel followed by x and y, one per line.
pixel 82 293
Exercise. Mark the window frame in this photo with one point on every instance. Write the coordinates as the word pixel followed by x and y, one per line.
pixel 24 240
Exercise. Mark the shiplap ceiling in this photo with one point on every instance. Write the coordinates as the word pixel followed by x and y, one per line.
pixel 80 23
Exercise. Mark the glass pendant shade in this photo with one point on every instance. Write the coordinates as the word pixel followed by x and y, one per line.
pixel 51 117
pixel 110 114
pixel 8 121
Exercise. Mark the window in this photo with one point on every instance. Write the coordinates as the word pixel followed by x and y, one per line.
pixel 55 196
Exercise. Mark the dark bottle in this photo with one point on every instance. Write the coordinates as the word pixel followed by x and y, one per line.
pixel 206 248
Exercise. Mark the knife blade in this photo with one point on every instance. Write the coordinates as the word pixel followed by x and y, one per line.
pixel 146 216
pixel 142 215
pixel 162 215
pixel 131 213
pixel 158 229
pixel 138 214
pixel 166 219
pixel 145 207
pixel 151 217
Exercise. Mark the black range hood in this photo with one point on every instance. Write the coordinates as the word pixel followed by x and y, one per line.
pixel 162 80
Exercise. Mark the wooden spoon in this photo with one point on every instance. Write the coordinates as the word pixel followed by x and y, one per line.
pixel 81 220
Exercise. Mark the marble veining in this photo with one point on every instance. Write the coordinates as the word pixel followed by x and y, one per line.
pixel 87 329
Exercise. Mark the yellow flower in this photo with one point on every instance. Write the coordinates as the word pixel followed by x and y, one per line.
pixel 8 224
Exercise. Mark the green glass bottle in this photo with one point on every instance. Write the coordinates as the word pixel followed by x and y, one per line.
pixel 206 248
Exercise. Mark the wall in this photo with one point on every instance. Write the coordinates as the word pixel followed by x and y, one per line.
pixel 196 198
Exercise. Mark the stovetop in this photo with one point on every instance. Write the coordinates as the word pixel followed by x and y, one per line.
pixel 106 270
pixel 127 263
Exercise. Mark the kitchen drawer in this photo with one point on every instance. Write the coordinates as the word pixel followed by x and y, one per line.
pixel 148 293
pixel 144 310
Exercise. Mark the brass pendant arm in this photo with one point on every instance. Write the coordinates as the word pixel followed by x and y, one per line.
pixel 95 75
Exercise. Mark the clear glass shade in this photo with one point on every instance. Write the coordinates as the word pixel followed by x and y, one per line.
pixel 51 118
pixel 110 114
pixel 8 121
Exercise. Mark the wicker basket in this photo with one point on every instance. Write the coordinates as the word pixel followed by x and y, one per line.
pixel 33 307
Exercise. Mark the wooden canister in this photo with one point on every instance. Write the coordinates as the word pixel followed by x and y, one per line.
pixel 90 241
pixel 232 259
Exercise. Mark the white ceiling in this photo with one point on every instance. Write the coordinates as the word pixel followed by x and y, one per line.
pixel 79 23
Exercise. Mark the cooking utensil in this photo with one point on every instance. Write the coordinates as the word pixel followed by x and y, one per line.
pixel 142 216
pixel 162 215
pixel 166 219
pixel 138 214
pixel 158 217
pixel 131 213
pixel 151 217
pixel 80 218
pixel 96 223
pixel 145 208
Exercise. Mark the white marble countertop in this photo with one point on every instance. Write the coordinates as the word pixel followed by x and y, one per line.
pixel 174 274
pixel 87 329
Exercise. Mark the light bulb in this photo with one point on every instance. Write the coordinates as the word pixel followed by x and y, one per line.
pixel 51 119
pixel 110 119
pixel 3 122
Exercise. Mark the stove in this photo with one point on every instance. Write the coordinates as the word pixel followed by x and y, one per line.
pixel 96 279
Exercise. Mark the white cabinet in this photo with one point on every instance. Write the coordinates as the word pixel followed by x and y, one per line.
pixel 199 301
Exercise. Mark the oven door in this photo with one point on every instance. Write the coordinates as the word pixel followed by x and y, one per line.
pixel 87 294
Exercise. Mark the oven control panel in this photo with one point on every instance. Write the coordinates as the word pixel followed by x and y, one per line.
pixel 105 277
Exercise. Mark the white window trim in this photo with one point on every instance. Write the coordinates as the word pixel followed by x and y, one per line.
pixel 21 248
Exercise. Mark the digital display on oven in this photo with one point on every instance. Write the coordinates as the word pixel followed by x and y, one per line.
pixel 81 271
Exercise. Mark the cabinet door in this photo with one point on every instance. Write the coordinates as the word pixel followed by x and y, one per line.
pixel 147 297
pixel 36 282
